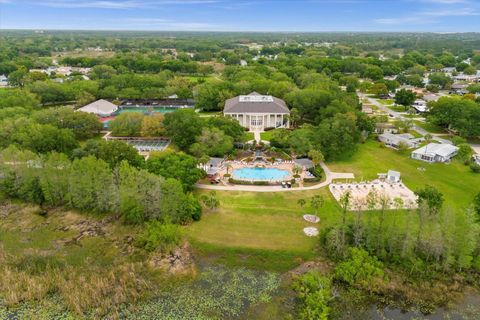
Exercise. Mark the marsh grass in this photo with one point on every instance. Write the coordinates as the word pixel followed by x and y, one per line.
pixel 91 277
pixel 81 290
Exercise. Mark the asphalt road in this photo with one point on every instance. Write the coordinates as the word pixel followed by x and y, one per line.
pixel 398 116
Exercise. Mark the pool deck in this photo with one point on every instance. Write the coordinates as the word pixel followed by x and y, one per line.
pixel 330 176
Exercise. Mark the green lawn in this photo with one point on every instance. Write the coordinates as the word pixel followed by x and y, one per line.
pixel 386 102
pixel 398 108
pixel 429 127
pixel 249 225
pixel 247 136
pixel 267 135
pixel 455 180
pixel 264 230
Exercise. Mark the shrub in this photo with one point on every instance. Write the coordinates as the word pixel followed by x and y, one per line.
pixel 159 235
pixel 315 292
pixel 316 171
pixel 475 167
pixel 359 269
pixel 246 182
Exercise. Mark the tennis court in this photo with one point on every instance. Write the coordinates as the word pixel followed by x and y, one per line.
pixel 148 145
pixel 145 144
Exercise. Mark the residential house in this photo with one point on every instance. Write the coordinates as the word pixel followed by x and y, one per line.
pixel 420 106
pixel 435 152
pixel 385 127
pixel 476 158
pixel 397 140
pixel 430 97
pixel 449 70
pixel 467 77
pixel 3 80
pixel 459 88
pixel 258 112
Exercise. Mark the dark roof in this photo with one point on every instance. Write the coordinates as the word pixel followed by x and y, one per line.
pixel 215 162
pixel 258 104
pixel 304 162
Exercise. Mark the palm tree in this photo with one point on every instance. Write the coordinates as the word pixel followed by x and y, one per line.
pixel 297 170
pixel 345 202
pixel 301 202
pixel 210 200
pixel 228 166
pixel 316 203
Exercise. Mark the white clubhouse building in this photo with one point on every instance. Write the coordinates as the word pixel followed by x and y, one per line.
pixel 258 112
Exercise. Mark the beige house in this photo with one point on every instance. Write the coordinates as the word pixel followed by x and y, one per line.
pixel 258 112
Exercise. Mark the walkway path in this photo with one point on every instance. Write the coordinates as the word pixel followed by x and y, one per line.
pixel 256 136
pixel 399 116
pixel 330 176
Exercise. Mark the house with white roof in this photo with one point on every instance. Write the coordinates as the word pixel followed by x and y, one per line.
pixel 476 158
pixel 101 108
pixel 3 80
pixel 397 140
pixel 420 105
pixel 449 70
pixel 258 112
pixel 435 152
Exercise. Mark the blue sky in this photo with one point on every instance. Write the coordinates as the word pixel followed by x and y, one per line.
pixel 243 15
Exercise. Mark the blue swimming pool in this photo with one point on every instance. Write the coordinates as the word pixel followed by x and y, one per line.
pixel 260 174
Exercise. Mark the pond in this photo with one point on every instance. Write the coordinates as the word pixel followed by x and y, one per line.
pixel 260 174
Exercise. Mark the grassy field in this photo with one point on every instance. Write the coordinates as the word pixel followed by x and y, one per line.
pixel 248 226
pixel 247 136
pixel 455 180
pixel 267 135
pixel 386 102
pixel 265 229
pixel 429 127
pixel 398 108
